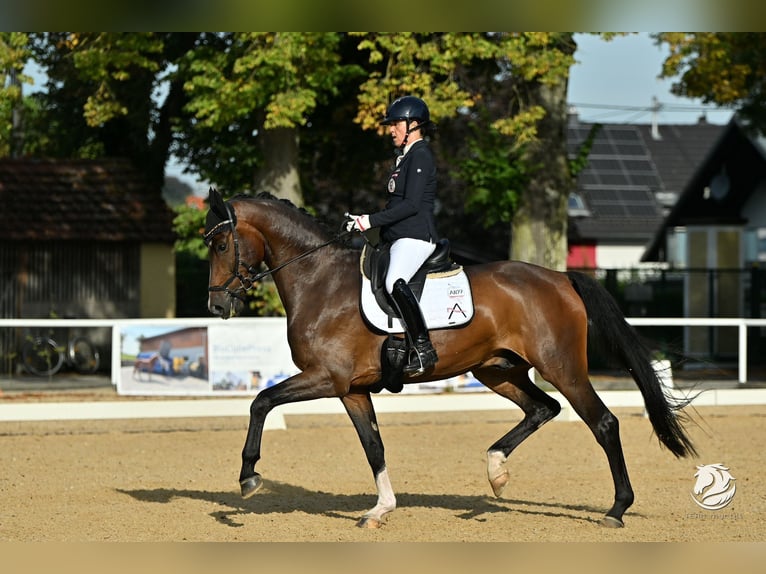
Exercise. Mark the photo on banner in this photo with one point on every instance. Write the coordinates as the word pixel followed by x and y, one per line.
pixel 157 359
pixel 236 358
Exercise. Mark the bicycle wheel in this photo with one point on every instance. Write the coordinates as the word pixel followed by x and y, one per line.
pixel 42 357
pixel 83 355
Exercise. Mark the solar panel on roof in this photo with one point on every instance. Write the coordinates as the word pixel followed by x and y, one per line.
pixel 623 134
pixel 601 148
pixel 602 194
pixel 609 210
pixel 637 165
pixel 614 179
pixel 605 164
pixel 630 149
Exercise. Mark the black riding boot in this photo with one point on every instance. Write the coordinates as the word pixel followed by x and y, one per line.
pixel 425 355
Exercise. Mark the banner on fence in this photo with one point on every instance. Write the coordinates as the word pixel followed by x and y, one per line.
pixel 232 358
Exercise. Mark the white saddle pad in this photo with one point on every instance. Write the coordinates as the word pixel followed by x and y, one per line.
pixel 446 302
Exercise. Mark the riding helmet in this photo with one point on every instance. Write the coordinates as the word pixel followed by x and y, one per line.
pixel 407 108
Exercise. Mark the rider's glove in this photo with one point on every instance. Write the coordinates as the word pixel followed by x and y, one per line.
pixel 358 223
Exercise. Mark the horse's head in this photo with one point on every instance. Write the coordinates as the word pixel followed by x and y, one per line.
pixel 715 475
pixel 228 249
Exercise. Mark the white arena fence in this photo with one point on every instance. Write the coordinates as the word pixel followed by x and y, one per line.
pixel 243 324
pixel 237 403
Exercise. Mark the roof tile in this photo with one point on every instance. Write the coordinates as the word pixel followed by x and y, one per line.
pixel 72 199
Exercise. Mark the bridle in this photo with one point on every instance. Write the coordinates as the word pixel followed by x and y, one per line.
pixel 246 282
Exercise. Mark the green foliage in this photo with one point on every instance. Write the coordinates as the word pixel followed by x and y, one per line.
pixel 282 75
pixel 110 61
pixel 189 226
pixel 442 69
pixel 580 161
pixel 14 53
pixel 224 95
pixel 264 300
pixel 493 177
pixel 725 68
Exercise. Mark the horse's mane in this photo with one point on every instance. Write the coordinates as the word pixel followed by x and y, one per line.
pixel 265 195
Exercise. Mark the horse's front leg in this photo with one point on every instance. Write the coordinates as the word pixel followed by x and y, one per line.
pixel 304 386
pixel 359 408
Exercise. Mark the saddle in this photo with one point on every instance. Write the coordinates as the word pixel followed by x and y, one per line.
pixel 440 285
pixel 374 266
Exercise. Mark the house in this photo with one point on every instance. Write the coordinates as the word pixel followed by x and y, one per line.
pixel 84 239
pixel 633 177
pixel 716 231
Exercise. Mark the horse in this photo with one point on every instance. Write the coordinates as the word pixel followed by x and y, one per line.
pixel 145 365
pixel 524 316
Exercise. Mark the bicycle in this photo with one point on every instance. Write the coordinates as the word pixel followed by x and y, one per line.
pixel 44 357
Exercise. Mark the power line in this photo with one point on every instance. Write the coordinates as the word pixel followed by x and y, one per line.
pixel 659 107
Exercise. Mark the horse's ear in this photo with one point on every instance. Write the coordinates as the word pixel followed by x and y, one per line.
pixel 216 202
pixel 217 212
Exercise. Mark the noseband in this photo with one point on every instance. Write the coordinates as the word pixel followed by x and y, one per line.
pixel 246 282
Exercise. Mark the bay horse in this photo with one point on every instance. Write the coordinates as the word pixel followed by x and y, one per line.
pixel 525 316
pixel 145 365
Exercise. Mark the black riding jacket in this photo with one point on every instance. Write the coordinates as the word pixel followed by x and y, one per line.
pixel 409 211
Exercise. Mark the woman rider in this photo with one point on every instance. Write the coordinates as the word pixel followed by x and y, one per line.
pixel 407 222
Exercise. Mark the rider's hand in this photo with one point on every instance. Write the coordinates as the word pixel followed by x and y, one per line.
pixel 358 223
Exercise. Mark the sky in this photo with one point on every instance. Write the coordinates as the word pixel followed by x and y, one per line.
pixel 623 72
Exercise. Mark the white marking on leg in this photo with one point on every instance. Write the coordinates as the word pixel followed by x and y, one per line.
pixel 386 499
pixel 498 476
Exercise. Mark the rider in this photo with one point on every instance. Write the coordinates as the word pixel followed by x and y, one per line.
pixel 407 222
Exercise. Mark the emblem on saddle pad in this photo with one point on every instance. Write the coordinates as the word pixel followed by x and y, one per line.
pixel 445 296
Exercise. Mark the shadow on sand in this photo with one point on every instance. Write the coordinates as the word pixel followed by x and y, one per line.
pixel 280 497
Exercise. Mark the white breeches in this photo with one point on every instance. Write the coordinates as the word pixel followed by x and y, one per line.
pixel 407 255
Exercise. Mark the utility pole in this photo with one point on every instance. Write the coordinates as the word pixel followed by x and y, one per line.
pixel 655 118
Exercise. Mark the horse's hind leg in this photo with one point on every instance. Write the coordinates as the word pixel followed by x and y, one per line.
pixel 538 407
pixel 360 410
pixel 606 428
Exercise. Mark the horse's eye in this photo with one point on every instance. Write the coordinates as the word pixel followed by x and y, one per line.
pixel 222 246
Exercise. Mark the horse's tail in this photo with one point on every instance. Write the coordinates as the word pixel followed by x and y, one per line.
pixel 608 328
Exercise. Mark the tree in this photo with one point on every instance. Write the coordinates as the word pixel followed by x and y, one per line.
pixel 515 86
pixel 723 68
pixel 14 54
pixel 239 107
pixel 262 87
pixel 100 93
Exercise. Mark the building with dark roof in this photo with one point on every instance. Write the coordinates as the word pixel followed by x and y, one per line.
pixel 716 234
pixel 634 175
pixel 84 239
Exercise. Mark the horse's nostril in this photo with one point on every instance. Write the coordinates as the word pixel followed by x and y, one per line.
pixel 216 310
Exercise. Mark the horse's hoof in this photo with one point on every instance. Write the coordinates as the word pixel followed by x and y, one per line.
pixel 498 483
pixel 369 522
pixel 611 522
pixel 250 485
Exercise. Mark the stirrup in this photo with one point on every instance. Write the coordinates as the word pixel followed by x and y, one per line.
pixel 424 358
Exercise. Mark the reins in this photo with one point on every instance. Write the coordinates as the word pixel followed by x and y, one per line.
pixel 246 282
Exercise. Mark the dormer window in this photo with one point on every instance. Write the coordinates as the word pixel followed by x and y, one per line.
pixel 577 207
